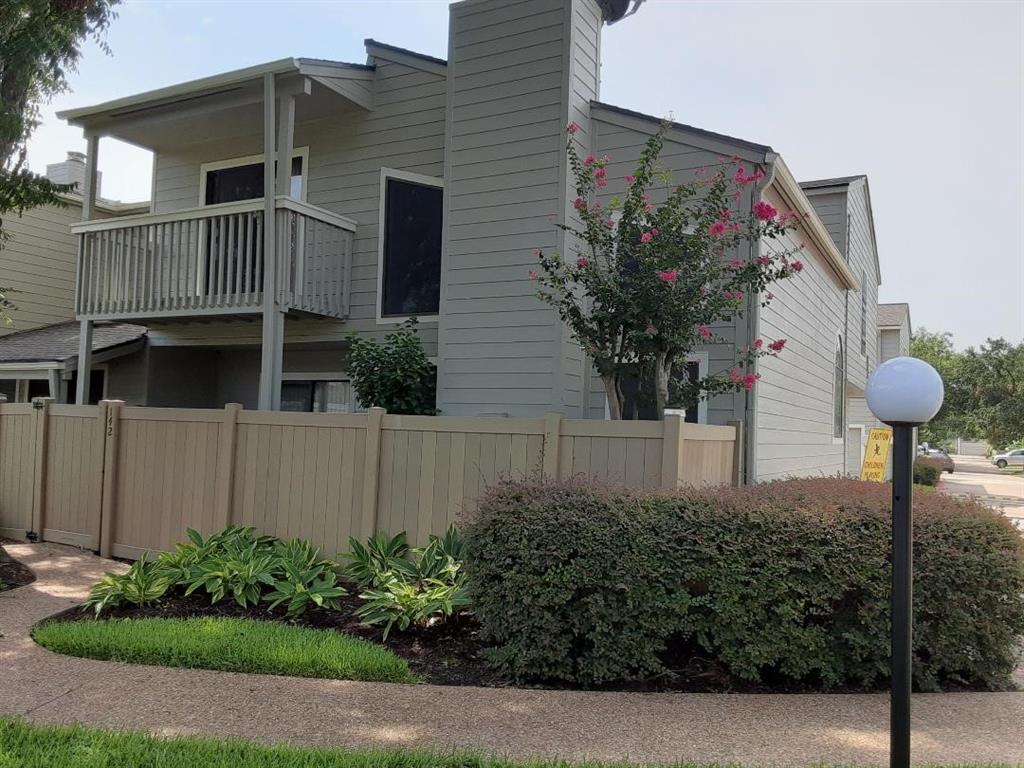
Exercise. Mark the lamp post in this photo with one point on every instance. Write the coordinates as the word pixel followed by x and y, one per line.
pixel 903 392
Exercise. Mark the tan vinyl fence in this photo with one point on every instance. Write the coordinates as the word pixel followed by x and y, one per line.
pixel 126 480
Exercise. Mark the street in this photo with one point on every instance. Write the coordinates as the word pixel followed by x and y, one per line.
pixel 976 476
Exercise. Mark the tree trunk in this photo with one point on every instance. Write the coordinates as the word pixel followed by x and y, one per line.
pixel 662 374
pixel 613 394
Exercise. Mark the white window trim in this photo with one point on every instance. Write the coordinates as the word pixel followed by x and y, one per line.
pixel 415 178
pixel 839 351
pixel 234 162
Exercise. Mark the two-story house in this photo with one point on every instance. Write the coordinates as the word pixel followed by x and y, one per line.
pixel 415 186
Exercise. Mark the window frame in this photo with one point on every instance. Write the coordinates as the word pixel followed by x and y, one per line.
pixel 315 376
pixel 235 162
pixel 839 394
pixel 412 178
pixel 863 312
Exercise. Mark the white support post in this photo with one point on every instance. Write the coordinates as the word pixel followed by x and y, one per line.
pixel 92 150
pixel 272 347
pixel 84 363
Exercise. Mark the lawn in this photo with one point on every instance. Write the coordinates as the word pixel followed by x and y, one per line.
pixel 36 746
pixel 229 644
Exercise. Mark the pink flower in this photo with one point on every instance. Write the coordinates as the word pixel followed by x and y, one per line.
pixel 650 207
pixel 769 296
pixel 733 295
pixel 571 128
pixel 602 183
pixel 536 251
pixel 669 275
pixel 725 215
pixel 717 228
pixel 533 274
pixel 797 266
pixel 630 179
pixel 651 330
pixel 759 343
pixel 654 232
pixel 610 223
pixel 646 237
pixel 786 216
pixel 581 262
pixel 578 203
pixel 735 375
pixel 704 331
pixel 736 262
pixel 777 346
pixel 589 160
pixel 764 261
pixel 749 379
pixel 600 173
pixel 765 211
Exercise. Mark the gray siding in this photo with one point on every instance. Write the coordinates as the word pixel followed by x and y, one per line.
pixel 794 413
pixel 128 378
pixel 622 138
pixel 39 261
pixel 517 74
pixel 346 153
pixel 891 341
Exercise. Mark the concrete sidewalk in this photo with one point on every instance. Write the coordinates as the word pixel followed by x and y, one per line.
pixel 758 730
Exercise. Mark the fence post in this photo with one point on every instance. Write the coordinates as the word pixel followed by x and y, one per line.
pixel 108 506
pixel 552 435
pixel 226 466
pixel 374 420
pixel 738 454
pixel 41 406
pixel 671 450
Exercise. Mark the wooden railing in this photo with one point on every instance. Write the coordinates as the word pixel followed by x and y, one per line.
pixel 210 260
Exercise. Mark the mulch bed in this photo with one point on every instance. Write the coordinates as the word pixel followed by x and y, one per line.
pixel 12 573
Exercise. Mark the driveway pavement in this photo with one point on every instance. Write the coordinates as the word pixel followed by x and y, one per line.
pixel 976 477
pixel 755 730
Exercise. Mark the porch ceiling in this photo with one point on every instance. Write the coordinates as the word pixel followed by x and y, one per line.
pixel 225 105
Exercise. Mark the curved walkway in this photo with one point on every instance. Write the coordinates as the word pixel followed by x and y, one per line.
pixel 761 730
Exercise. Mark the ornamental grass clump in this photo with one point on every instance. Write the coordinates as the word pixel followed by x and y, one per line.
pixel 784 584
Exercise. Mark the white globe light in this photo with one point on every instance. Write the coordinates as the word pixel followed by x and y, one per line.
pixel 905 390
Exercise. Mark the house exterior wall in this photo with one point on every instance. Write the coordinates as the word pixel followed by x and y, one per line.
pixel 517 74
pixel 39 261
pixel 894 342
pixel 347 150
pixel 794 411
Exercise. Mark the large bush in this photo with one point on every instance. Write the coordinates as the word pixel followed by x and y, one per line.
pixel 783 583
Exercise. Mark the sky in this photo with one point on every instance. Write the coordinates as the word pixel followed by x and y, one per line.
pixel 926 98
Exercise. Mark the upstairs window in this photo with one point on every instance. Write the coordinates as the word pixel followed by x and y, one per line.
pixel 228 181
pixel 838 392
pixel 410 245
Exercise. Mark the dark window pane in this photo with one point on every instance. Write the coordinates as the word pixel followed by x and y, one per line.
pixel 96 380
pixel 228 185
pixel 641 404
pixel 9 388
pixel 297 396
pixel 38 388
pixel 412 249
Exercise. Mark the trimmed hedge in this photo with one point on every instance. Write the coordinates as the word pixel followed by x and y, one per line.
pixel 785 583
pixel 927 471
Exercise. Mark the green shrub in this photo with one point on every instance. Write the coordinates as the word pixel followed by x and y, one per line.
pixel 927 471
pixel 395 374
pixel 405 588
pixel 144 583
pixel 783 583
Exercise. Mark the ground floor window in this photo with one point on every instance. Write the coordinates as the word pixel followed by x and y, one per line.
pixel 317 396
pixel 9 389
pixel 97 386
pixel 640 404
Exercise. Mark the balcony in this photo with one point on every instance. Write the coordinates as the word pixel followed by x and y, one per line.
pixel 210 261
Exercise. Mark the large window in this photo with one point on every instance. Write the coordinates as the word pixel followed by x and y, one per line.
pixel 640 404
pixel 317 396
pixel 838 392
pixel 228 181
pixel 410 250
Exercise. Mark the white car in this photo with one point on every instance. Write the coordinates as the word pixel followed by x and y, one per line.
pixel 1014 458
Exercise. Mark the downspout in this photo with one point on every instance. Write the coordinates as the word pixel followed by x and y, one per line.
pixel 753 317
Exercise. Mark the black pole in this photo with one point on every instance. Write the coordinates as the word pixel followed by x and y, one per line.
pixel 903 455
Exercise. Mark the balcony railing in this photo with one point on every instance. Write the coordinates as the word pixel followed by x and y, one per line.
pixel 210 261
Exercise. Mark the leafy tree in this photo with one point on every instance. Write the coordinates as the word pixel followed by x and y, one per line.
pixel 395 374
pixel 650 280
pixel 984 389
pixel 40 41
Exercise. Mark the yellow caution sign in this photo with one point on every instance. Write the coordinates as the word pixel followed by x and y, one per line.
pixel 876 456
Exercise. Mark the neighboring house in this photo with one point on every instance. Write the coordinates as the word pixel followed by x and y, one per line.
pixel 893 331
pixel 414 186
pixel 39 261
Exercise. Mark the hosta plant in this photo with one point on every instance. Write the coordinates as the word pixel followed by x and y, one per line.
pixel 240 572
pixel 302 587
pixel 370 564
pixel 142 584
pixel 405 603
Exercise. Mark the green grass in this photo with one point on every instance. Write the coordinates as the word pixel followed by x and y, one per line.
pixel 233 645
pixel 45 746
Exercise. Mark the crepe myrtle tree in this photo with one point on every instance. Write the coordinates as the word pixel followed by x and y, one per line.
pixel 649 280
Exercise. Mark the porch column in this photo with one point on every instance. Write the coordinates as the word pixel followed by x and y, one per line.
pixel 84 363
pixel 88 190
pixel 273 320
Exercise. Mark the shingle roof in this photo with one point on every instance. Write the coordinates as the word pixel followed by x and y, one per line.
pixel 838 181
pixel 890 315
pixel 57 343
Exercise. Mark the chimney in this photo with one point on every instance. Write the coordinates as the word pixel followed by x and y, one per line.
pixel 518 73
pixel 71 171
